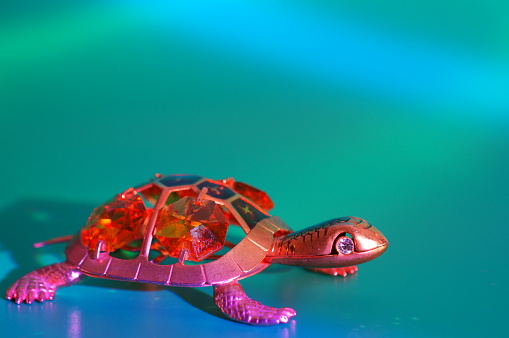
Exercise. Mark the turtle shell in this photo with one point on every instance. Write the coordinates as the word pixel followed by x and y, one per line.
pixel 180 216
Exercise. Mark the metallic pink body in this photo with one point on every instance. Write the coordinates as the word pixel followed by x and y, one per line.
pixel 268 240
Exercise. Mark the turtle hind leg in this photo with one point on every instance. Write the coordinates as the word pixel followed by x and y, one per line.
pixel 348 270
pixel 41 284
pixel 235 304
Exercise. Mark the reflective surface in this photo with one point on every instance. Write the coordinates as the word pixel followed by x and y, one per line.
pixel 390 112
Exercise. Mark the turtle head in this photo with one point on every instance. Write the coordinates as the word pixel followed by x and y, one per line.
pixel 338 242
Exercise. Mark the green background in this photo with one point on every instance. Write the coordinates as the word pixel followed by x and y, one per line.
pixel 397 112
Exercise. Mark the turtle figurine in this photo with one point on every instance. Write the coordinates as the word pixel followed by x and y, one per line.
pixel 173 232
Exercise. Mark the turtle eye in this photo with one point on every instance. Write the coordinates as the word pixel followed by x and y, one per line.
pixel 344 245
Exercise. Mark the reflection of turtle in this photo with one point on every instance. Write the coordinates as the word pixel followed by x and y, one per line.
pixel 186 218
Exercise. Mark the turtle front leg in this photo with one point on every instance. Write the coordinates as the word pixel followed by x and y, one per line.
pixel 348 270
pixel 235 304
pixel 41 284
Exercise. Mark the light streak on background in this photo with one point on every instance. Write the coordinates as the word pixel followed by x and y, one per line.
pixel 341 52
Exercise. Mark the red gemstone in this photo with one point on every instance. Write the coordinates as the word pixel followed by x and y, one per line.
pixel 254 194
pixel 115 223
pixel 198 228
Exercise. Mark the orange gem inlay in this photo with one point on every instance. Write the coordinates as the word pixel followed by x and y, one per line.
pixel 254 194
pixel 114 224
pixel 195 229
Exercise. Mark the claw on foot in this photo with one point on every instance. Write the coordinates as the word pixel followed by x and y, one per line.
pixel 30 288
pixel 41 284
pixel 235 304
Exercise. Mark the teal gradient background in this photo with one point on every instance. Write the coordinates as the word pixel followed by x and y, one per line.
pixel 397 112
